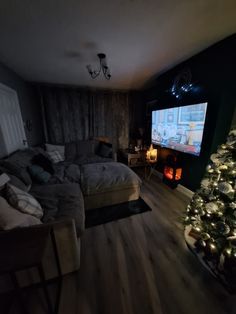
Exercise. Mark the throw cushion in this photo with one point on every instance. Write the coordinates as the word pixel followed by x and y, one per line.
pixel 22 158
pixel 17 171
pixel 4 178
pixel 39 174
pixel 23 201
pixel 59 148
pixel 18 183
pixel 11 218
pixel 44 162
pixel 55 156
pixel 15 180
pixel 105 150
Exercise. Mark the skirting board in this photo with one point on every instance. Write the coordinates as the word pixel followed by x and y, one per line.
pixel 179 188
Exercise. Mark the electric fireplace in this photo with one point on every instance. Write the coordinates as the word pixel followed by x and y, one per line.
pixel 172 172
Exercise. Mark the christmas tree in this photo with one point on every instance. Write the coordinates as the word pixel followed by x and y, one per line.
pixel 211 215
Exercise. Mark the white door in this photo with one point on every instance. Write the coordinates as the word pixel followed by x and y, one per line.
pixel 12 133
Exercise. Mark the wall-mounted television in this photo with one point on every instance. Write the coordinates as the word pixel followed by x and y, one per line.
pixel 179 128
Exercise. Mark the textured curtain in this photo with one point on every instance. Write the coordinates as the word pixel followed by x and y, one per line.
pixel 74 114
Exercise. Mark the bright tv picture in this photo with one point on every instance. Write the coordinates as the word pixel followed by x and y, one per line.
pixel 180 128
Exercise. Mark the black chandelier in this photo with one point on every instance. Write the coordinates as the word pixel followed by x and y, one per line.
pixel 103 67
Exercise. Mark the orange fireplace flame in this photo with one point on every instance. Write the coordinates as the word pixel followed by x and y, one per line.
pixel 172 174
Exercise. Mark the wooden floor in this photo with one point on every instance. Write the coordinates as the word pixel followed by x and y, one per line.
pixel 140 265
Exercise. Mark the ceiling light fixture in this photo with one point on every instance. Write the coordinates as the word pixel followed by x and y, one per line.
pixel 103 67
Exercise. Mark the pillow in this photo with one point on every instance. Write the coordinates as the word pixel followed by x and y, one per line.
pixel 55 156
pixel 11 218
pixel 105 150
pixel 17 171
pixel 22 158
pixel 23 201
pixel 59 148
pixel 38 174
pixel 18 183
pixel 44 162
pixel 4 178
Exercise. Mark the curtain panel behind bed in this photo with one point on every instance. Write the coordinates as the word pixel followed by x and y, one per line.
pixel 72 114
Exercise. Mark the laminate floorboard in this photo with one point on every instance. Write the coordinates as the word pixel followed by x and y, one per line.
pixel 141 265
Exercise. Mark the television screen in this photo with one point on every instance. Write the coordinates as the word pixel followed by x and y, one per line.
pixel 180 128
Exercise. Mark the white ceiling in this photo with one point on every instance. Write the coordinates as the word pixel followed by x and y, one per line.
pixel 53 40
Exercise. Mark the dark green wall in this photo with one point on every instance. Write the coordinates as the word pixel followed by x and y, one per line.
pixel 29 103
pixel 213 71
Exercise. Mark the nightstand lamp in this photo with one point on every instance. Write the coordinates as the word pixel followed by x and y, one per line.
pixel 151 155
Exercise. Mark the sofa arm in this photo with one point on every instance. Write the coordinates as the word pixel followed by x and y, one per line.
pixel 67 249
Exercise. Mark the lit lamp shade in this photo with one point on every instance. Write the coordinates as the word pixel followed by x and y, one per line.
pixel 151 154
pixel 172 173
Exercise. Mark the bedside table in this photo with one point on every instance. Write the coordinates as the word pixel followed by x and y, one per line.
pixel 152 166
pixel 133 159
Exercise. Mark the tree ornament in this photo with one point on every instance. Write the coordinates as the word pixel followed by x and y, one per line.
pixel 231 138
pixel 210 170
pixel 205 183
pixel 233 254
pixel 198 199
pixel 215 158
pixel 227 251
pixel 221 151
pixel 232 173
pixel 211 247
pixel 230 164
pixel 196 229
pixel 225 187
pixel 220 214
pixel 222 228
pixel 200 244
pixel 211 207
pixel 223 167
pixel 232 205
pixel 221 205
pixel 214 184
pixel 205 236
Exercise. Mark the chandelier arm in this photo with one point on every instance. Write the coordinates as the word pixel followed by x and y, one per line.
pixel 94 74
pixel 106 72
pixel 103 66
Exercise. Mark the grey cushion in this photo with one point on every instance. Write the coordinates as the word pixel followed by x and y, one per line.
pixel 22 158
pixel 17 171
pixel 23 201
pixel 39 174
pixel 105 150
pixel 61 201
pixel 43 161
pixel 11 218
pixel 59 148
pixel 18 183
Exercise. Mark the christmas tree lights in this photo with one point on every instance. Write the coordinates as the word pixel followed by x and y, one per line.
pixel 211 215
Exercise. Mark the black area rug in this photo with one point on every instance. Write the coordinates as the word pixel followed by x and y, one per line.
pixel 95 217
